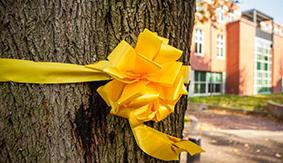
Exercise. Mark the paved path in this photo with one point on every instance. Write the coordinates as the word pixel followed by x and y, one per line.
pixel 238 138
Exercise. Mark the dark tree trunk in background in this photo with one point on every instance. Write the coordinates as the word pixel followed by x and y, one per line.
pixel 70 122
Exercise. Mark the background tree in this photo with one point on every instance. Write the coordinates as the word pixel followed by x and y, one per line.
pixel 207 10
pixel 70 122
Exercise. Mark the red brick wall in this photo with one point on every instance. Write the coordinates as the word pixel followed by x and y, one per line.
pixel 233 50
pixel 240 57
pixel 277 66
pixel 247 60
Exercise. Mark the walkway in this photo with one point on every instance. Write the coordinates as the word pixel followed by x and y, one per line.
pixel 233 137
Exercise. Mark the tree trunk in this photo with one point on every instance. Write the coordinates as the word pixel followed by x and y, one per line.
pixel 70 122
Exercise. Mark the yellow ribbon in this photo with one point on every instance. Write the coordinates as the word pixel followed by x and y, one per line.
pixel 147 83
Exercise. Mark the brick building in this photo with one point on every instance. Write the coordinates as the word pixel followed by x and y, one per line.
pixel 243 55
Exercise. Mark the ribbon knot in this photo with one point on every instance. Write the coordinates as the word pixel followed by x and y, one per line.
pixel 149 93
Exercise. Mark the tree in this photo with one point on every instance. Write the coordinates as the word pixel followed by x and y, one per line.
pixel 70 122
pixel 207 10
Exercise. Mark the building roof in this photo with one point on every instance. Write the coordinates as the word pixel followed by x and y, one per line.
pixel 256 16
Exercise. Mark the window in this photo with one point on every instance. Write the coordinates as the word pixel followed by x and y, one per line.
pixel 231 17
pixel 200 82
pixel 258 66
pixel 215 82
pixel 220 46
pixel 220 15
pixel 276 30
pixel 207 83
pixel 199 41
pixel 267 27
pixel 263 66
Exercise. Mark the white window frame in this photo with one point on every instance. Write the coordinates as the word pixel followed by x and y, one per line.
pixel 220 47
pixel 231 17
pixel 276 30
pixel 213 76
pixel 199 42
pixel 220 15
pixel 262 78
pixel 200 82
pixel 207 82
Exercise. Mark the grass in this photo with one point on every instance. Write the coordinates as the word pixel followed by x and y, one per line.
pixel 242 102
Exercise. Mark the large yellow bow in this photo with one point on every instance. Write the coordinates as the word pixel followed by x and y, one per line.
pixel 147 83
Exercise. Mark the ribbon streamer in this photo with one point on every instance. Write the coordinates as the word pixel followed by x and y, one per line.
pixel 147 81
pixel 24 71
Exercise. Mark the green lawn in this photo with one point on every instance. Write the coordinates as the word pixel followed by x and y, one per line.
pixel 242 102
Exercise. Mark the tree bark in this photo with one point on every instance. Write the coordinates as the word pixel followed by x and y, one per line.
pixel 70 122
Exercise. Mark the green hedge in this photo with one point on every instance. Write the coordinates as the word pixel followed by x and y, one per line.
pixel 242 102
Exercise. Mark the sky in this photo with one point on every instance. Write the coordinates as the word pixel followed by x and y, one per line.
pixel 273 8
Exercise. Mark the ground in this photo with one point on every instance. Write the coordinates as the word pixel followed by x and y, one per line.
pixel 235 137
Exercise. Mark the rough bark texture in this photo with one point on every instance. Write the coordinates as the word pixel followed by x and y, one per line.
pixel 70 122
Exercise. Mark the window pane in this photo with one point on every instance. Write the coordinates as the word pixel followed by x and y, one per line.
pixel 214 77
pixel 258 66
pixel 265 66
pixel 196 47
pixel 210 88
pixel 208 77
pixel 217 88
pixel 202 88
pixel 260 89
pixel 218 77
pixel 214 88
pixel 197 88
pixel 197 76
pixel 202 76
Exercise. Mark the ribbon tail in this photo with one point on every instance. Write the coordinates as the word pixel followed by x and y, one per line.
pixel 24 71
pixel 160 145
